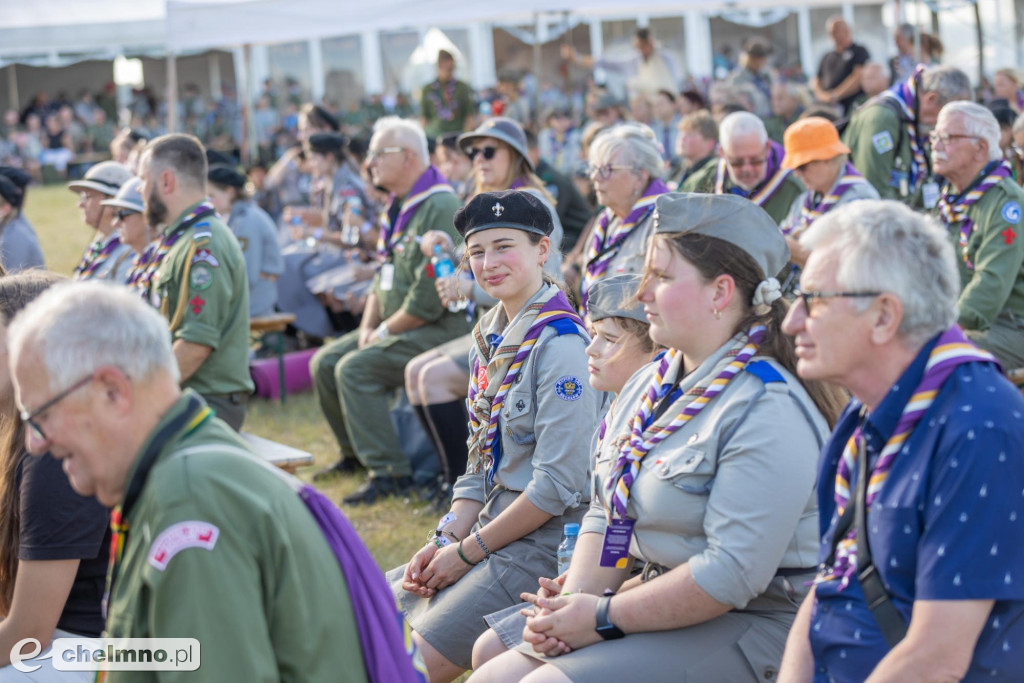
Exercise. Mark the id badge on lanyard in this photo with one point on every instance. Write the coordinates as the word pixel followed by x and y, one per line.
pixel 930 194
pixel 615 548
pixel 387 277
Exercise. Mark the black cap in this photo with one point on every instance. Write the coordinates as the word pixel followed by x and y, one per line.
pixel 328 143
pixel 328 118
pixel 17 176
pixel 508 209
pixel 222 174
pixel 215 158
pixel 10 192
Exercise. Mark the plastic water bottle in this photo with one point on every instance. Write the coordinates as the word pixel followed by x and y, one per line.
pixel 350 229
pixel 565 548
pixel 444 267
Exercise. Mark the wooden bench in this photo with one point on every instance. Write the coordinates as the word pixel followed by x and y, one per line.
pixel 274 325
pixel 287 458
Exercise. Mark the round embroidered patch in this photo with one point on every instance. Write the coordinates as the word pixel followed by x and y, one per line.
pixel 568 388
pixel 200 277
pixel 1011 212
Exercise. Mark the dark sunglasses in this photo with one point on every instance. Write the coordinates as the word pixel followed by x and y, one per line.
pixel 488 152
pixel 124 213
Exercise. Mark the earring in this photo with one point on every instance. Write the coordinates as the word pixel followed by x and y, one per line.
pixel 717 313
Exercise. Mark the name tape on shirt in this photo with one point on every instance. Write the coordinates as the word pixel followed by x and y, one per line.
pixel 180 536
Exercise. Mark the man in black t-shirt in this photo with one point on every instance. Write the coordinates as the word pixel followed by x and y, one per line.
pixel 838 79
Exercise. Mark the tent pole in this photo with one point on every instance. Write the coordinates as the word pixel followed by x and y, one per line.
pixel 981 43
pixel 250 144
pixel 172 93
pixel 538 35
pixel 12 88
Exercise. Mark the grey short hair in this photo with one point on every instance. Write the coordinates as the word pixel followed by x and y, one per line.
pixel 739 124
pixel 62 326
pixel 948 81
pixel 638 144
pixel 885 246
pixel 906 30
pixel 406 132
pixel 980 121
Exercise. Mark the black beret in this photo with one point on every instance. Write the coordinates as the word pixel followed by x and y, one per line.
pixel 509 209
pixel 10 192
pixel 17 176
pixel 327 143
pixel 222 174
pixel 330 119
pixel 215 158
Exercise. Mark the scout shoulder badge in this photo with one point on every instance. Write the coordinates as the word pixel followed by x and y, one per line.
pixel 196 276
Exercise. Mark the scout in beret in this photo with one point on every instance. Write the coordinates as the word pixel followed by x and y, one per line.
pixel 532 415
pixel 19 245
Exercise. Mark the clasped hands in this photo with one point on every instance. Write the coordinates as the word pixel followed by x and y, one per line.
pixel 432 569
pixel 558 624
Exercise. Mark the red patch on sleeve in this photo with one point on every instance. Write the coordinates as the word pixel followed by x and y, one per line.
pixel 1009 235
pixel 197 304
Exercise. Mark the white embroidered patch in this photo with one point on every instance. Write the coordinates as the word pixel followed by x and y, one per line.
pixel 882 142
pixel 178 537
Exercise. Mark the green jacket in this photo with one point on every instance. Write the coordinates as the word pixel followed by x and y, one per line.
pixel 220 548
pixel 880 150
pixel 204 292
pixel 995 283
pixel 777 207
pixel 413 287
pixel 444 116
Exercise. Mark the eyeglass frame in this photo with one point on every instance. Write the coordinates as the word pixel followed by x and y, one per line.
pixel 945 138
pixel 373 155
pixel 754 162
pixel 604 171
pixel 808 297
pixel 29 418
pixel 121 214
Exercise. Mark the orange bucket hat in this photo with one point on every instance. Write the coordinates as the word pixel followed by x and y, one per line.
pixel 811 139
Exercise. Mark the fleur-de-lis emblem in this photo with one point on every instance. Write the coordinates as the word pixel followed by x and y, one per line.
pixel 498 209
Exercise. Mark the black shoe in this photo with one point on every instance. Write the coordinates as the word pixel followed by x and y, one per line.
pixel 376 488
pixel 345 466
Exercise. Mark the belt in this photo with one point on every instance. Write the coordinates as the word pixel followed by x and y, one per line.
pixel 653 570
pixel 235 396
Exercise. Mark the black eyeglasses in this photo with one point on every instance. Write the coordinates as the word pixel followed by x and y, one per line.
pixel 488 152
pixel 124 213
pixel 808 297
pixel 30 418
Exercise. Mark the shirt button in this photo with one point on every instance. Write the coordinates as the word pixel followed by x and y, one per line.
pixel 692 439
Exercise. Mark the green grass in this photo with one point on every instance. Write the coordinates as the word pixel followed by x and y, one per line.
pixel 393 530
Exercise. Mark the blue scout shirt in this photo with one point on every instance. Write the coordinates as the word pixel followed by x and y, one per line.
pixel 945 526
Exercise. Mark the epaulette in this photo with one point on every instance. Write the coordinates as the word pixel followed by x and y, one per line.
pixel 765 372
pixel 564 326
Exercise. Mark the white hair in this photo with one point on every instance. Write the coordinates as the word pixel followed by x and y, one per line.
pixel 637 141
pixel 978 120
pixel 78 327
pixel 882 245
pixel 406 132
pixel 741 124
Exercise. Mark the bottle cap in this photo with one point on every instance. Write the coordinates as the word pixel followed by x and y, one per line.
pixel 572 530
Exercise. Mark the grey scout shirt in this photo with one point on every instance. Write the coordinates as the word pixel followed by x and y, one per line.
pixel 19 246
pixel 257 236
pixel 545 430
pixel 731 492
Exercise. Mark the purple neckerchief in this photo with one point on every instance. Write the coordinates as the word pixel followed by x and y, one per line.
pixel 774 177
pixel 604 247
pixel 517 184
pixel 953 208
pixel 812 210
pixel 951 350
pixel 95 257
pixel 905 96
pixel 143 281
pixel 381 626
pixel 429 183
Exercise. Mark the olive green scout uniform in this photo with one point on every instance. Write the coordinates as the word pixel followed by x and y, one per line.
pixel 220 548
pixel 354 386
pixel 203 290
pixel 778 206
pixel 991 305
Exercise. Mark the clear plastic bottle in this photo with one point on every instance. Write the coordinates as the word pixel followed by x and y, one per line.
pixel 351 228
pixel 444 267
pixel 569 534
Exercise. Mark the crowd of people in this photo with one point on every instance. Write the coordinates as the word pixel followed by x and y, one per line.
pixel 765 378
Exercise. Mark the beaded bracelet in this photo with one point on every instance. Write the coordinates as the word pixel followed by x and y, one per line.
pixel 463 557
pixel 480 542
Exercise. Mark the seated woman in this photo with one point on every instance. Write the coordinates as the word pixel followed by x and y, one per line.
pixel 256 234
pixel 621 346
pixel 531 419
pixel 435 381
pixel 704 476
pixel 130 219
pixel 53 542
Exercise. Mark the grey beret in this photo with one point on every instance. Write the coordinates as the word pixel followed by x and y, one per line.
pixel 727 217
pixel 615 297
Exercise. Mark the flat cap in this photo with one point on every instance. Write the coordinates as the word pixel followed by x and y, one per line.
pixel 222 174
pixel 328 143
pixel 508 209
pixel 615 297
pixel 728 217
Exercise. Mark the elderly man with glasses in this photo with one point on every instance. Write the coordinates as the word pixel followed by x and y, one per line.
pixel 751 167
pixel 980 205
pixel 919 486
pixel 355 376
pixel 107 257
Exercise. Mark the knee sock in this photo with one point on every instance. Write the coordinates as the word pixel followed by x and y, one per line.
pixel 449 422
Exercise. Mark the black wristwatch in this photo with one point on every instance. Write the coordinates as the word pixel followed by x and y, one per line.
pixel 605 628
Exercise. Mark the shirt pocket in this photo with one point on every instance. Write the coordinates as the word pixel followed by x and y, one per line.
pixel 518 415
pixel 687 469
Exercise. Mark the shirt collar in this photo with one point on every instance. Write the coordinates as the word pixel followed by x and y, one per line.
pixel 881 422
